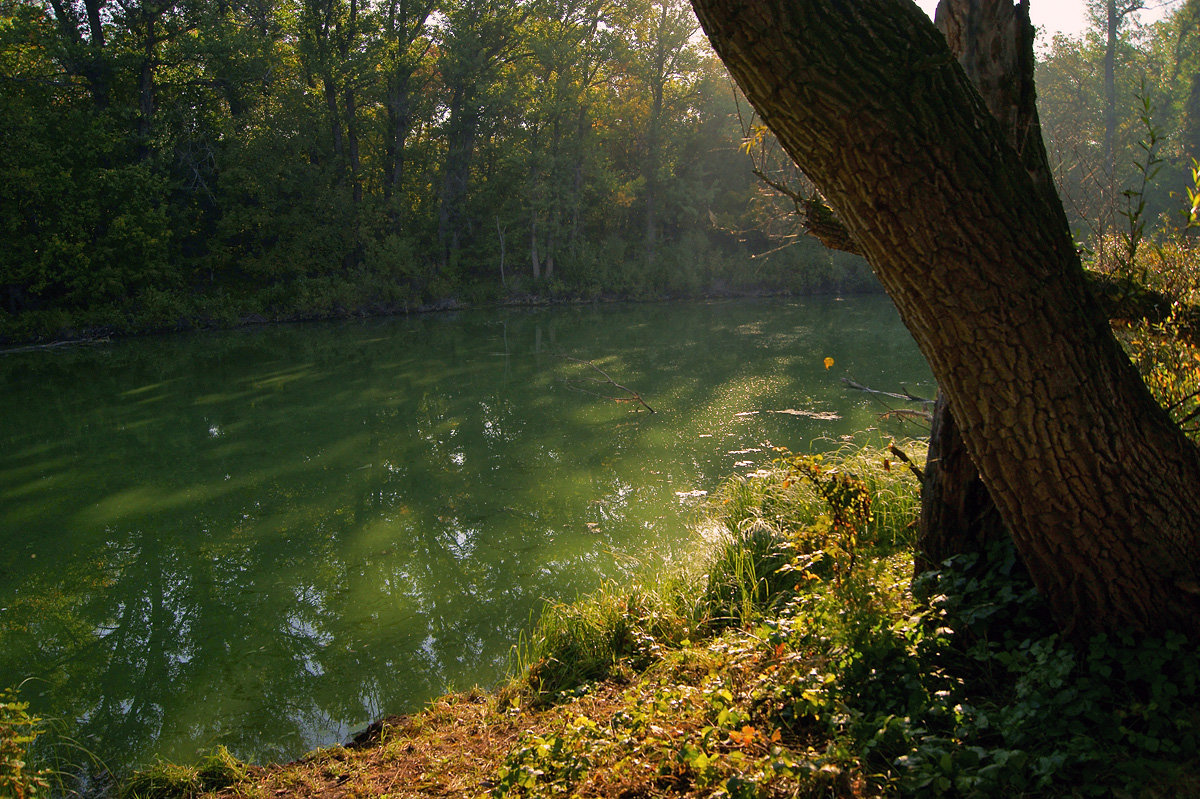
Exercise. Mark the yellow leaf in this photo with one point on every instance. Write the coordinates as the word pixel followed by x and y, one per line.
pixel 828 362
pixel 744 737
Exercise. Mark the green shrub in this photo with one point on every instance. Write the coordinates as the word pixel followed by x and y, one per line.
pixel 18 730
pixel 807 518
pixel 976 694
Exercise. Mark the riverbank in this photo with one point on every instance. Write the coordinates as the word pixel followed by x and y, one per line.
pixel 33 334
pixel 797 659
pixel 357 295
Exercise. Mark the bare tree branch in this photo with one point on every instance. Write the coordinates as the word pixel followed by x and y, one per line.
pixel 907 395
pixel 607 380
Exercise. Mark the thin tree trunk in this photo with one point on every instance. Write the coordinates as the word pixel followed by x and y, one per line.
pixel 1115 13
pixel 500 233
pixel 653 133
pixel 1191 119
pixel 651 172
pixel 1113 22
pixel 536 192
pixel 335 121
pixel 534 258
pixel 352 145
pixel 97 72
pixel 145 117
pixel 460 145
pixel 400 124
pixel 581 127
pixel 551 243
pixel 352 111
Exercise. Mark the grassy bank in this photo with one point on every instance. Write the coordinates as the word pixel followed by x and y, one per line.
pixel 796 658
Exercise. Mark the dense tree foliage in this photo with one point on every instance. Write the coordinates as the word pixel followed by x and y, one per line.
pixel 326 154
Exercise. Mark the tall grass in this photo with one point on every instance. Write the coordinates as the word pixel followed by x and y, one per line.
pixel 215 771
pixel 771 533
pixel 782 526
pixel 617 628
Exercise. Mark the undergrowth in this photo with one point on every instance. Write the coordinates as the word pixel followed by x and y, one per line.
pixel 1168 358
pixel 216 770
pixel 810 670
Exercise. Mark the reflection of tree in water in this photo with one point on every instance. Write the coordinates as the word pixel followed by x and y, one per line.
pixel 267 539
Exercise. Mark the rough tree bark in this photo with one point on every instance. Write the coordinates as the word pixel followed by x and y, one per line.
pixel 993 41
pixel 1095 483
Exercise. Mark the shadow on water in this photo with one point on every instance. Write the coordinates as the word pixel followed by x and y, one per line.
pixel 267 538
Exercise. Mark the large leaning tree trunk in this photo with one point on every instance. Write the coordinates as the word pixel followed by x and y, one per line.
pixel 993 41
pixel 1097 486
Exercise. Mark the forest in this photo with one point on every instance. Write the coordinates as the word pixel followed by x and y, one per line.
pixel 166 164
pixel 167 160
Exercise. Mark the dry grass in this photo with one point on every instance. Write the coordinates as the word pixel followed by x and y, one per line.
pixel 631 734
pixel 451 749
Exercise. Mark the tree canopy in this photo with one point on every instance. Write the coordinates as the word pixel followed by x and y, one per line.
pixel 410 150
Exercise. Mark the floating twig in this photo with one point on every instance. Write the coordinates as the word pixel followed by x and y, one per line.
pixel 907 395
pixel 908 414
pixel 54 345
pixel 904 414
pixel 607 380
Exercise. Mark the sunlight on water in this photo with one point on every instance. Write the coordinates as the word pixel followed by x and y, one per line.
pixel 268 538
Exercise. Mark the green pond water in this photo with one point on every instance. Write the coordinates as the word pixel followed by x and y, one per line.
pixel 270 537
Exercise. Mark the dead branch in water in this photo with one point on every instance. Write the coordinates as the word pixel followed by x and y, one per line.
pixel 607 380
pixel 54 345
pixel 905 396
pixel 923 415
pixel 909 414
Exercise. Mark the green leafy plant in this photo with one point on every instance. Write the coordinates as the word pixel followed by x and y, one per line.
pixel 18 731
pixel 547 765
pixel 848 509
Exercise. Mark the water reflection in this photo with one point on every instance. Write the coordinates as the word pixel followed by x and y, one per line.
pixel 268 538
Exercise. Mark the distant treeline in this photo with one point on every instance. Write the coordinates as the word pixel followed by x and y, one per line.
pixel 163 160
